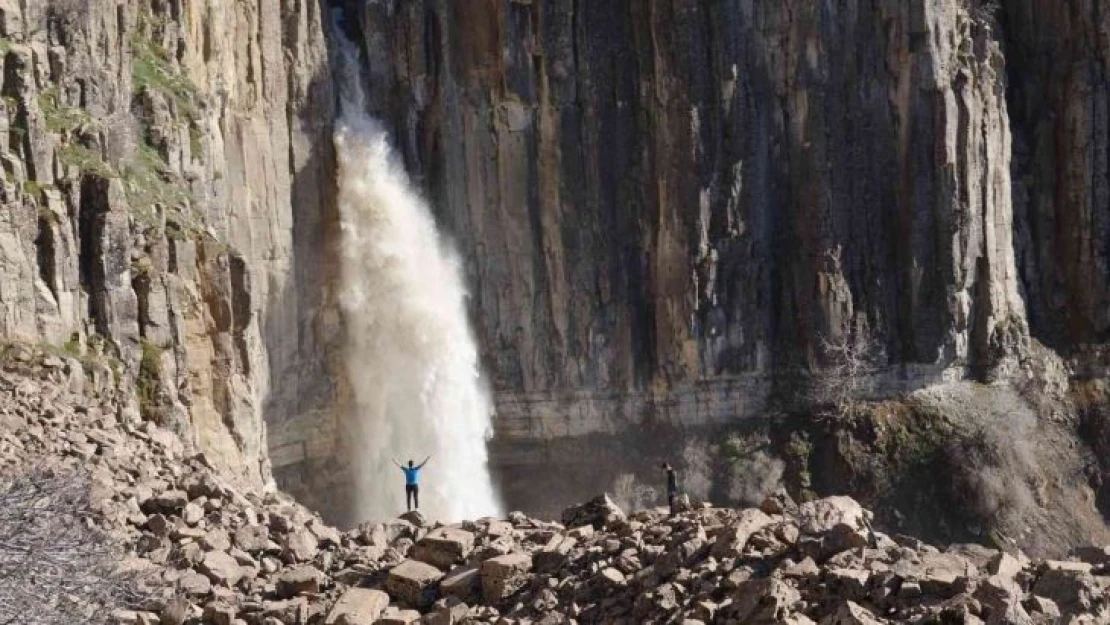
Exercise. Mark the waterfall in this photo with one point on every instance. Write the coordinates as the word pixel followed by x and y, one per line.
pixel 411 355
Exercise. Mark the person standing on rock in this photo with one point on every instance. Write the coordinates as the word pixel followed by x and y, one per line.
pixel 412 482
pixel 672 486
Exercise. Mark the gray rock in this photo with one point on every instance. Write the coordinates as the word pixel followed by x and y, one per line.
pixel 851 613
pixel 504 575
pixel 253 538
pixel 300 546
pixel 219 613
pixel 414 583
pixel 358 606
pixel 463 583
pixel 444 547
pixel 400 617
pixel 730 542
pixel 194 584
pixel 216 540
pixel 599 512
pixel 298 580
pixel 221 568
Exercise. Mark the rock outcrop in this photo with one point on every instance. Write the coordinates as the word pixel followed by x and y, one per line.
pixel 153 155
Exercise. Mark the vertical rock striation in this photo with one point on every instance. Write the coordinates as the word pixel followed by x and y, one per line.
pixel 1059 96
pixel 165 202
pixel 668 205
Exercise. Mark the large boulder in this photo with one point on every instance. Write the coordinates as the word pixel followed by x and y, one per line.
pixel 832 525
pixel 463 583
pixel 504 575
pixel 253 538
pixel 358 606
pixel 221 568
pixel 598 512
pixel 554 554
pixel 414 583
pixel 300 546
pixel 731 541
pixel 297 580
pixel 824 515
pixel 1074 590
pixel 444 547
pixel 766 600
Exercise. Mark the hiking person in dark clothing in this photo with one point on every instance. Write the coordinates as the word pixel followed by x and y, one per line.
pixel 412 482
pixel 672 486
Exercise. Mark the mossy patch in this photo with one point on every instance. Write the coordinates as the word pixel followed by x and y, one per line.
pixel 85 160
pixel 149 382
pixel 152 68
pixel 58 116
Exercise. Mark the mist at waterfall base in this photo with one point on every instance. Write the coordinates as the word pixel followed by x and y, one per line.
pixel 411 356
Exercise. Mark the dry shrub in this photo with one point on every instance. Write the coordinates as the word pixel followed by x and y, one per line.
pixel 55 566
pixel 847 374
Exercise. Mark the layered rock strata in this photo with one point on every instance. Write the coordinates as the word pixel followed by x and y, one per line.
pixel 165 200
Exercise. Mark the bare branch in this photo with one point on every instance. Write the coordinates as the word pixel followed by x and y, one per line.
pixel 55 566
pixel 847 375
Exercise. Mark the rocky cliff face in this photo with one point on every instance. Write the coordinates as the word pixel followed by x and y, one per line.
pixel 164 203
pixel 664 203
pixel 668 210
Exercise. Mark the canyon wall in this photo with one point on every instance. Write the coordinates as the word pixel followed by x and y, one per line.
pixel 673 198
pixel 667 209
pixel 167 168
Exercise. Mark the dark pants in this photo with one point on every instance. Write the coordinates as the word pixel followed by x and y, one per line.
pixel 670 500
pixel 412 496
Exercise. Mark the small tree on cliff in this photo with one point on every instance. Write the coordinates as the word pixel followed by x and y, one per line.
pixel 846 374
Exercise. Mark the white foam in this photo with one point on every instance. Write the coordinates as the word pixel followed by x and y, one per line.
pixel 411 355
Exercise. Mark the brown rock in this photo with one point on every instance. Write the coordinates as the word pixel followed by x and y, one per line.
pixel 554 553
pixel 1095 556
pixel 1074 591
pixel 169 502
pixel 159 525
pixel 325 534
pixel 761 600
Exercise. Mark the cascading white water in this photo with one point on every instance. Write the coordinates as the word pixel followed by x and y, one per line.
pixel 412 358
